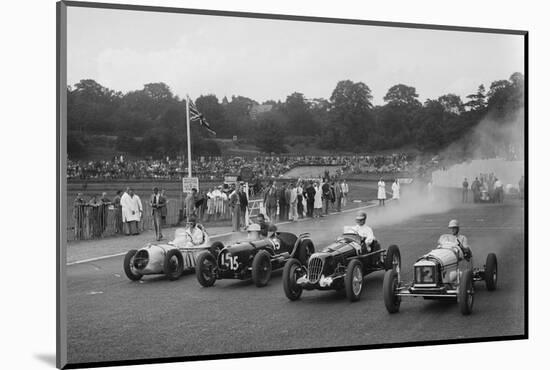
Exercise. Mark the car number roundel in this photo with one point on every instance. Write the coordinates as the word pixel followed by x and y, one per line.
pixel 276 244
pixel 230 261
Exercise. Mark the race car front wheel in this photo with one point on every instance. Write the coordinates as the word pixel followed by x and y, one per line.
pixel 491 271
pixel 173 264
pixel 466 293
pixel 261 268
pixel 393 258
pixel 205 269
pixel 354 280
pixel 129 268
pixel 293 291
pixel 389 287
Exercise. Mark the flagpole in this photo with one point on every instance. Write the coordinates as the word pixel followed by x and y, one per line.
pixel 188 139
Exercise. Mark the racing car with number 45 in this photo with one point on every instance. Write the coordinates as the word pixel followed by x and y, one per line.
pixel 253 258
pixel 444 273
pixel 342 265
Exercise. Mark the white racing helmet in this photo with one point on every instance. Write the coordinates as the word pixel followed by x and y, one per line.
pixel 453 223
pixel 361 215
pixel 253 227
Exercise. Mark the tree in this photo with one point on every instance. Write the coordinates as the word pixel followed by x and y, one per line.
pixel 477 101
pixel 271 133
pixel 351 113
pixel 402 95
pixel 300 118
pixel 451 103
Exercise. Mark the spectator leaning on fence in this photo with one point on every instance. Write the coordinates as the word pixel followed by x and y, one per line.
pixel 118 212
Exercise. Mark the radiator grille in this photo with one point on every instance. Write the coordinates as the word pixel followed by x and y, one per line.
pixel 315 269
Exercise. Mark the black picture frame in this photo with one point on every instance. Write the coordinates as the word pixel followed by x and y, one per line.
pixel 61 146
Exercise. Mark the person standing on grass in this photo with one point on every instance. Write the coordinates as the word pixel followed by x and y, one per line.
pixel 465 186
pixel 381 192
pixel 396 190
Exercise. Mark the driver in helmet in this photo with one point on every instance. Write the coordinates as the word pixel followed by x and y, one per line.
pixel 271 231
pixel 253 232
pixel 193 234
pixel 365 232
pixel 462 240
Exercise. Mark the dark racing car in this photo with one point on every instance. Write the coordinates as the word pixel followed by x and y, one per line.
pixel 254 258
pixel 340 266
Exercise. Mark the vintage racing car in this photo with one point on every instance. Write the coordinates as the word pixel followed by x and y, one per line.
pixel 339 266
pixel 171 258
pixel 444 273
pixel 254 259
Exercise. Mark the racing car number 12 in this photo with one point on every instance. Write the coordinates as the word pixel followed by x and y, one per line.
pixel 231 261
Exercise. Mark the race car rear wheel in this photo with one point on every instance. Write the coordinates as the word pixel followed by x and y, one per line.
pixel 205 269
pixel 305 250
pixel 173 264
pixel 354 280
pixel 293 291
pixel 393 258
pixel 491 271
pixel 466 293
pixel 261 268
pixel 389 287
pixel 129 268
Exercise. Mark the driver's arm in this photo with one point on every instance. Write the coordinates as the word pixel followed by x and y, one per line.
pixel 463 242
pixel 368 235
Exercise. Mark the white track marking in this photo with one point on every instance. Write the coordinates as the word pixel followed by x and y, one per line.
pixel 217 236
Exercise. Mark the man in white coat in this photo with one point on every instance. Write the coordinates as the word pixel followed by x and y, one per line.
pixel 131 211
pixel 381 192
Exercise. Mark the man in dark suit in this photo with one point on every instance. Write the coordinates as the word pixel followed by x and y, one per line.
pixel 243 198
pixel 270 201
pixel 164 209
pixel 309 193
pixel 157 202
pixel 283 204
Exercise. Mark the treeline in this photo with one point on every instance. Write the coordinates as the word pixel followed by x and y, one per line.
pixel 151 121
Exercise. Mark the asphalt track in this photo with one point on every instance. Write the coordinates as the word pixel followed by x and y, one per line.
pixel 111 318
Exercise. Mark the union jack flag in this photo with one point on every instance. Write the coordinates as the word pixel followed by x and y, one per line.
pixel 195 115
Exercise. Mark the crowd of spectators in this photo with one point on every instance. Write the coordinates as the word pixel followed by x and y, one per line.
pixel 216 167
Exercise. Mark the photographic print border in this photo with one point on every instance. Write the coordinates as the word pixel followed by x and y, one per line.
pixel 61 145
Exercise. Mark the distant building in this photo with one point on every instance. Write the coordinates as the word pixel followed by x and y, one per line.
pixel 258 109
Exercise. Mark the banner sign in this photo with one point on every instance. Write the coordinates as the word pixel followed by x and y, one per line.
pixel 190 183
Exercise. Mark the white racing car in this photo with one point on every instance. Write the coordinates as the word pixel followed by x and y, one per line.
pixel 171 258
pixel 444 273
